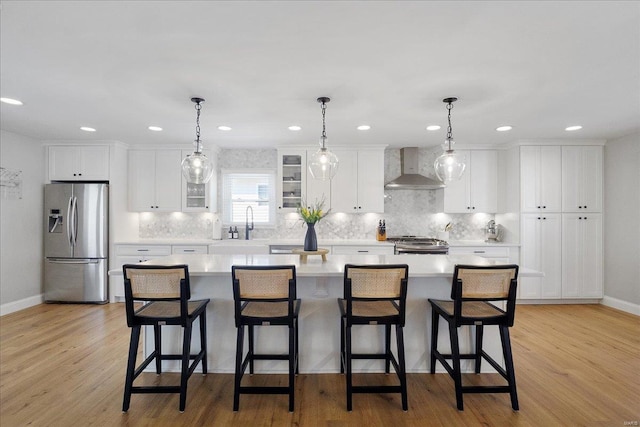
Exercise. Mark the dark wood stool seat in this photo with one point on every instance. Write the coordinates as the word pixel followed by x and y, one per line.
pixel 374 295
pixel 165 292
pixel 473 290
pixel 264 296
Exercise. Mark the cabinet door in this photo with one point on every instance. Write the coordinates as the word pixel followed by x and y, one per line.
pixel 292 175
pixel 94 163
pixel 142 177
pixel 168 180
pixel 540 178
pixel 541 251
pixel 457 193
pixel 483 181
pixel 582 179
pixel 582 256
pixel 550 179
pixel 371 181
pixel 344 186
pixel 200 197
pixel 318 190
pixel 63 163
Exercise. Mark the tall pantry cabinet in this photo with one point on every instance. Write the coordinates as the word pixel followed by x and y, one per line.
pixel 561 221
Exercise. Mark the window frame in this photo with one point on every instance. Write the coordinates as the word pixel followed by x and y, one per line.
pixel 226 215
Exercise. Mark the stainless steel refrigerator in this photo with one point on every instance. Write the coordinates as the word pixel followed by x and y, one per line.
pixel 76 242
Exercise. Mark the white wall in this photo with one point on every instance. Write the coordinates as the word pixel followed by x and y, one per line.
pixel 622 223
pixel 21 252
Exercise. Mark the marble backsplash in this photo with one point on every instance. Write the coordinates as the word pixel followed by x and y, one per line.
pixel 415 212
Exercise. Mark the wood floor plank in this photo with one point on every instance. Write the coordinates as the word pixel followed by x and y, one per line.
pixel 63 365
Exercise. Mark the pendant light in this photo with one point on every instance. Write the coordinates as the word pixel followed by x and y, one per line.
pixel 449 166
pixel 323 164
pixel 196 167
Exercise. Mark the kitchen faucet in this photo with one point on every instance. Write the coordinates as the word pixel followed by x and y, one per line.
pixel 248 228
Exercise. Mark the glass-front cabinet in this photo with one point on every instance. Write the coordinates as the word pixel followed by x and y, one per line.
pixel 201 197
pixel 291 178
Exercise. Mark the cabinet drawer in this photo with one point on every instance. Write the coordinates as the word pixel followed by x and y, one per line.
pixel 362 250
pixel 143 250
pixel 189 249
pixel 483 251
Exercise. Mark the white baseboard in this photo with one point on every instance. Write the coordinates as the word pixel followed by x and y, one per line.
pixel 12 307
pixel 621 305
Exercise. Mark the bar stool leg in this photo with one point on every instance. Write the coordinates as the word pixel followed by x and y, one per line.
pixel 387 348
pixel 250 327
pixel 435 318
pixel 455 358
pixel 184 374
pixel 291 366
pixel 508 361
pixel 203 340
pixel 348 363
pixel 297 360
pixel 157 336
pixel 402 374
pixel 343 358
pixel 131 367
pixel 238 376
pixel 479 333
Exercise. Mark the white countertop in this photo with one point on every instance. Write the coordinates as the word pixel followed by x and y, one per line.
pixel 463 243
pixel 321 242
pixel 419 266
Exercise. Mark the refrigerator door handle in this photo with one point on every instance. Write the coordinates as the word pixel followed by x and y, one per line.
pixel 69 220
pixel 75 220
pixel 73 260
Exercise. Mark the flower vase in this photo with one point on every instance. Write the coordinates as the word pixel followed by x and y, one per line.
pixel 310 239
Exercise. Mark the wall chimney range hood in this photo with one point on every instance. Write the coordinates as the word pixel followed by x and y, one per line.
pixel 409 178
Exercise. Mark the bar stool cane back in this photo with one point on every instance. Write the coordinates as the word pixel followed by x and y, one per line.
pixel 473 290
pixel 165 291
pixel 374 295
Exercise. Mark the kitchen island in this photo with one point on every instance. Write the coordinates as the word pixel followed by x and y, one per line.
pixel 319 285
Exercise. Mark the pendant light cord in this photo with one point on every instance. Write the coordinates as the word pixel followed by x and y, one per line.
pixel 198 145
pixel 449 131
pixel 324 128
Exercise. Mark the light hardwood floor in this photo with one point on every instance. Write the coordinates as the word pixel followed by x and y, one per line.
pixel 63 365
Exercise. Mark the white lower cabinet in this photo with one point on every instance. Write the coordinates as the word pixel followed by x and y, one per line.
pixel 500 254
pixel 582 275
pixel 362 250
pixel 541 250
pixel 132 254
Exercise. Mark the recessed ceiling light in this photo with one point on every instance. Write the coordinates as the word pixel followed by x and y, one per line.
pixel 11 101
pixel 155 128
pixel 225 128
pixel 364 127
pixel 294 128
pixel 87 129
pixel 433 127
pixel 504 128
pixel 571 128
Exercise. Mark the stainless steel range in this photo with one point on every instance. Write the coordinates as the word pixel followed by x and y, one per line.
pixel 419 245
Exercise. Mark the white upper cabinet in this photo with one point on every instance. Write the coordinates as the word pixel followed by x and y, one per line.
pixel 79 163
pixel 582 274
pixel 201 197
pixel 582 178
pixel 477 190
pixel 540 178
pixel 358 186
pixel 292 178
pixel 155 180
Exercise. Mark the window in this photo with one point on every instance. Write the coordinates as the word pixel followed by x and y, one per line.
pixel 248 187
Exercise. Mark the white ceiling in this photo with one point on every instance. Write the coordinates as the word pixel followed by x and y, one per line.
pixel 120 66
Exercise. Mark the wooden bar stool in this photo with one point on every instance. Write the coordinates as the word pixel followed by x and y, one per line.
pixel 166 292
pixel 374 295
pixel 265 296
pixel 472 291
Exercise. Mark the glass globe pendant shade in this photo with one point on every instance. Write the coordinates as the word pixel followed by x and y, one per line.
pixel 449 166
pixel 323 164
pixel 197 168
